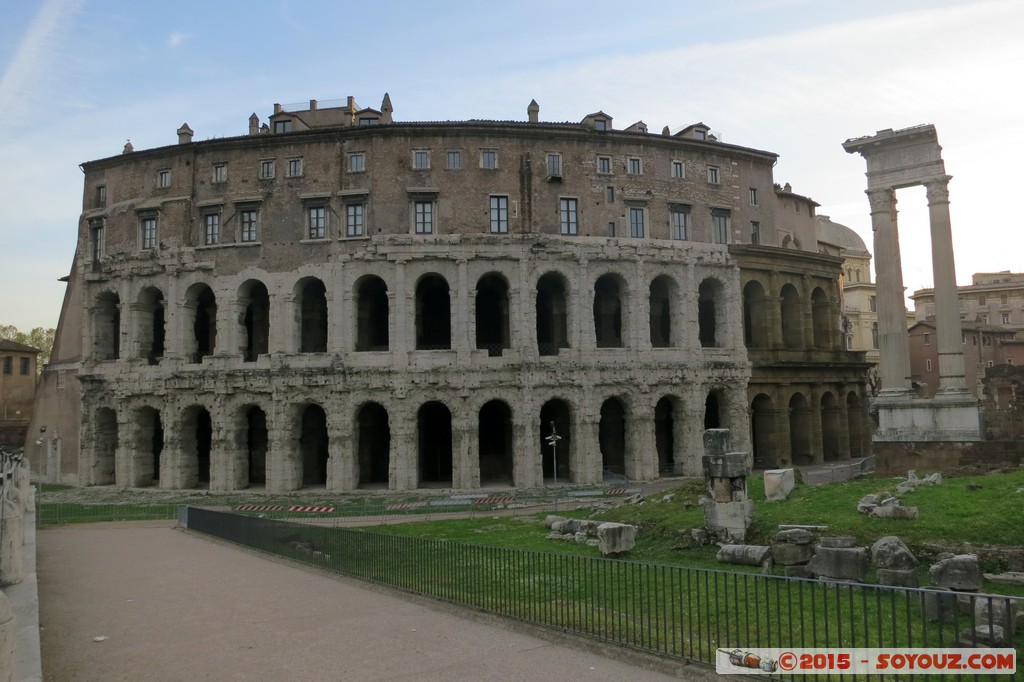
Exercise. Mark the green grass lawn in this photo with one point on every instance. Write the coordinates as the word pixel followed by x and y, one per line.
pixel 955 514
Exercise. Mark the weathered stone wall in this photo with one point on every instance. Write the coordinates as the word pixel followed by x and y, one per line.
pixel 895 459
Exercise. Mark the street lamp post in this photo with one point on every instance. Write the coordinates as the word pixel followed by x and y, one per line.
pixel 553 442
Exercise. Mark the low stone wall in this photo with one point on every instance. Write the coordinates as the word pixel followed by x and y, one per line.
pixel 895 459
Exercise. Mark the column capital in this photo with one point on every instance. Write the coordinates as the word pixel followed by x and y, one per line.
pixel 937 190
pixel 882 200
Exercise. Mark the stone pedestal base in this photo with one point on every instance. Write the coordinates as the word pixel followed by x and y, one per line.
pixel 947 417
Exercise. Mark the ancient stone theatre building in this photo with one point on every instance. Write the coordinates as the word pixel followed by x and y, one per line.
pixel 341 300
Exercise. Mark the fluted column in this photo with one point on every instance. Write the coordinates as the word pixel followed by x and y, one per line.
pixel 947 306
pixel 893 341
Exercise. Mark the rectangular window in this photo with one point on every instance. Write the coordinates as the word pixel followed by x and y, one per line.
pixel 294 168
pixel 220 172
pixel 680 223
pixel 24 366
pixel 1004 299
pixel 101 195
pixel 8 364
pixel 60 380
pixel 266 169
pixel 499 214
pixel 98 239
pixel 317 222
pixel 1006 318
pixel 610 194
pixel 284 126
pixel 926 340
pixel 211 221
pixel 488 158
pixel 873 304
pixel 636 222
pixel 611 228
pixel 354 220
pixel 849 343
pixel 982 300
pixel 356 162
pixel 677 169
pixel 604 164
pixel 163 178
pixel 713 175
pixel 755 232
pixel 634 166
pixel 554 165
pixel 454 158
pixel 148 228
pixel 753 196
pixel 250 224
pixel 421 159
pixel 568 216
pixel 720 227
pixel 423 217
pixel 600 124
pixel 927 365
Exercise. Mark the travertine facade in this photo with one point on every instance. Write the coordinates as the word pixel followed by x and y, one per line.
pixel 340 300
pixel 17 389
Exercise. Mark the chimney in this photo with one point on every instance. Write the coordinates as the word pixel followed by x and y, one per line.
pixel 254 124
pixel 128 148
pixel 184 134
pixel 351 103
pixel 533 111
pixel 386 109
pixel 312 105
pixel 278 108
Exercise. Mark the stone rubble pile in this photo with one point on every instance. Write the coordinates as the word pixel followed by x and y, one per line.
pixel 613 539
pixel 885 508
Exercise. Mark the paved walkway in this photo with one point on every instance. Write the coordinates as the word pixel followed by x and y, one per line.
pixel 175 605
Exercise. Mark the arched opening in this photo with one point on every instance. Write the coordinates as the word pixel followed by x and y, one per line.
pixel 374 434
pixel 800 430
pixel 755 316
pixel 608 312
pixel 492 327
pixel 372 314
pixel 104 471
pixel 254 308
pixel 312 308
pixel 763 437
pixel 256 442
pixel 612 436
pixel 433 314
pixel 792 319
pixel 664 436
pixel 855 425
pixel 660 306
pixel 434 422
pixel 821 319
pixel 709 317
pixel 313 446
pixel 830 443
pixel 107 327
pixel 712 411
pixel 495 436
pixel 552 314
pixel 150 329
pixel 555 415
pixel 196 446
pixel 149 445
pixel 203 342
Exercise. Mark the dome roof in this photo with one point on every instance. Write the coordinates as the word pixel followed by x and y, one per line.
pixel 840 235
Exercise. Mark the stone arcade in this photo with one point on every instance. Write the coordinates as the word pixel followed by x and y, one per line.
pixel 340 300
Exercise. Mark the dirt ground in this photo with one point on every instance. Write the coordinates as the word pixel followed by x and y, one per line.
pixel 146 601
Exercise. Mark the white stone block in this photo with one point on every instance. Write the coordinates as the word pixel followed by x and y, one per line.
pixel 778 484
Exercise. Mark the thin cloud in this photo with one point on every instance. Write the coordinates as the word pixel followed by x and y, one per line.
pixel 177 39
pixel 35 54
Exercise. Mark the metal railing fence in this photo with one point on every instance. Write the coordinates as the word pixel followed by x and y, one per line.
pixel 674 611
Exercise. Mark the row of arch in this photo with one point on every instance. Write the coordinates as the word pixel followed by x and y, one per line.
pixel 195 449
pixel 789 320
pixel 800 432
pixel 432 312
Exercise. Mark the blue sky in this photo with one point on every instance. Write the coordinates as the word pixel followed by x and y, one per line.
pixel 795 77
